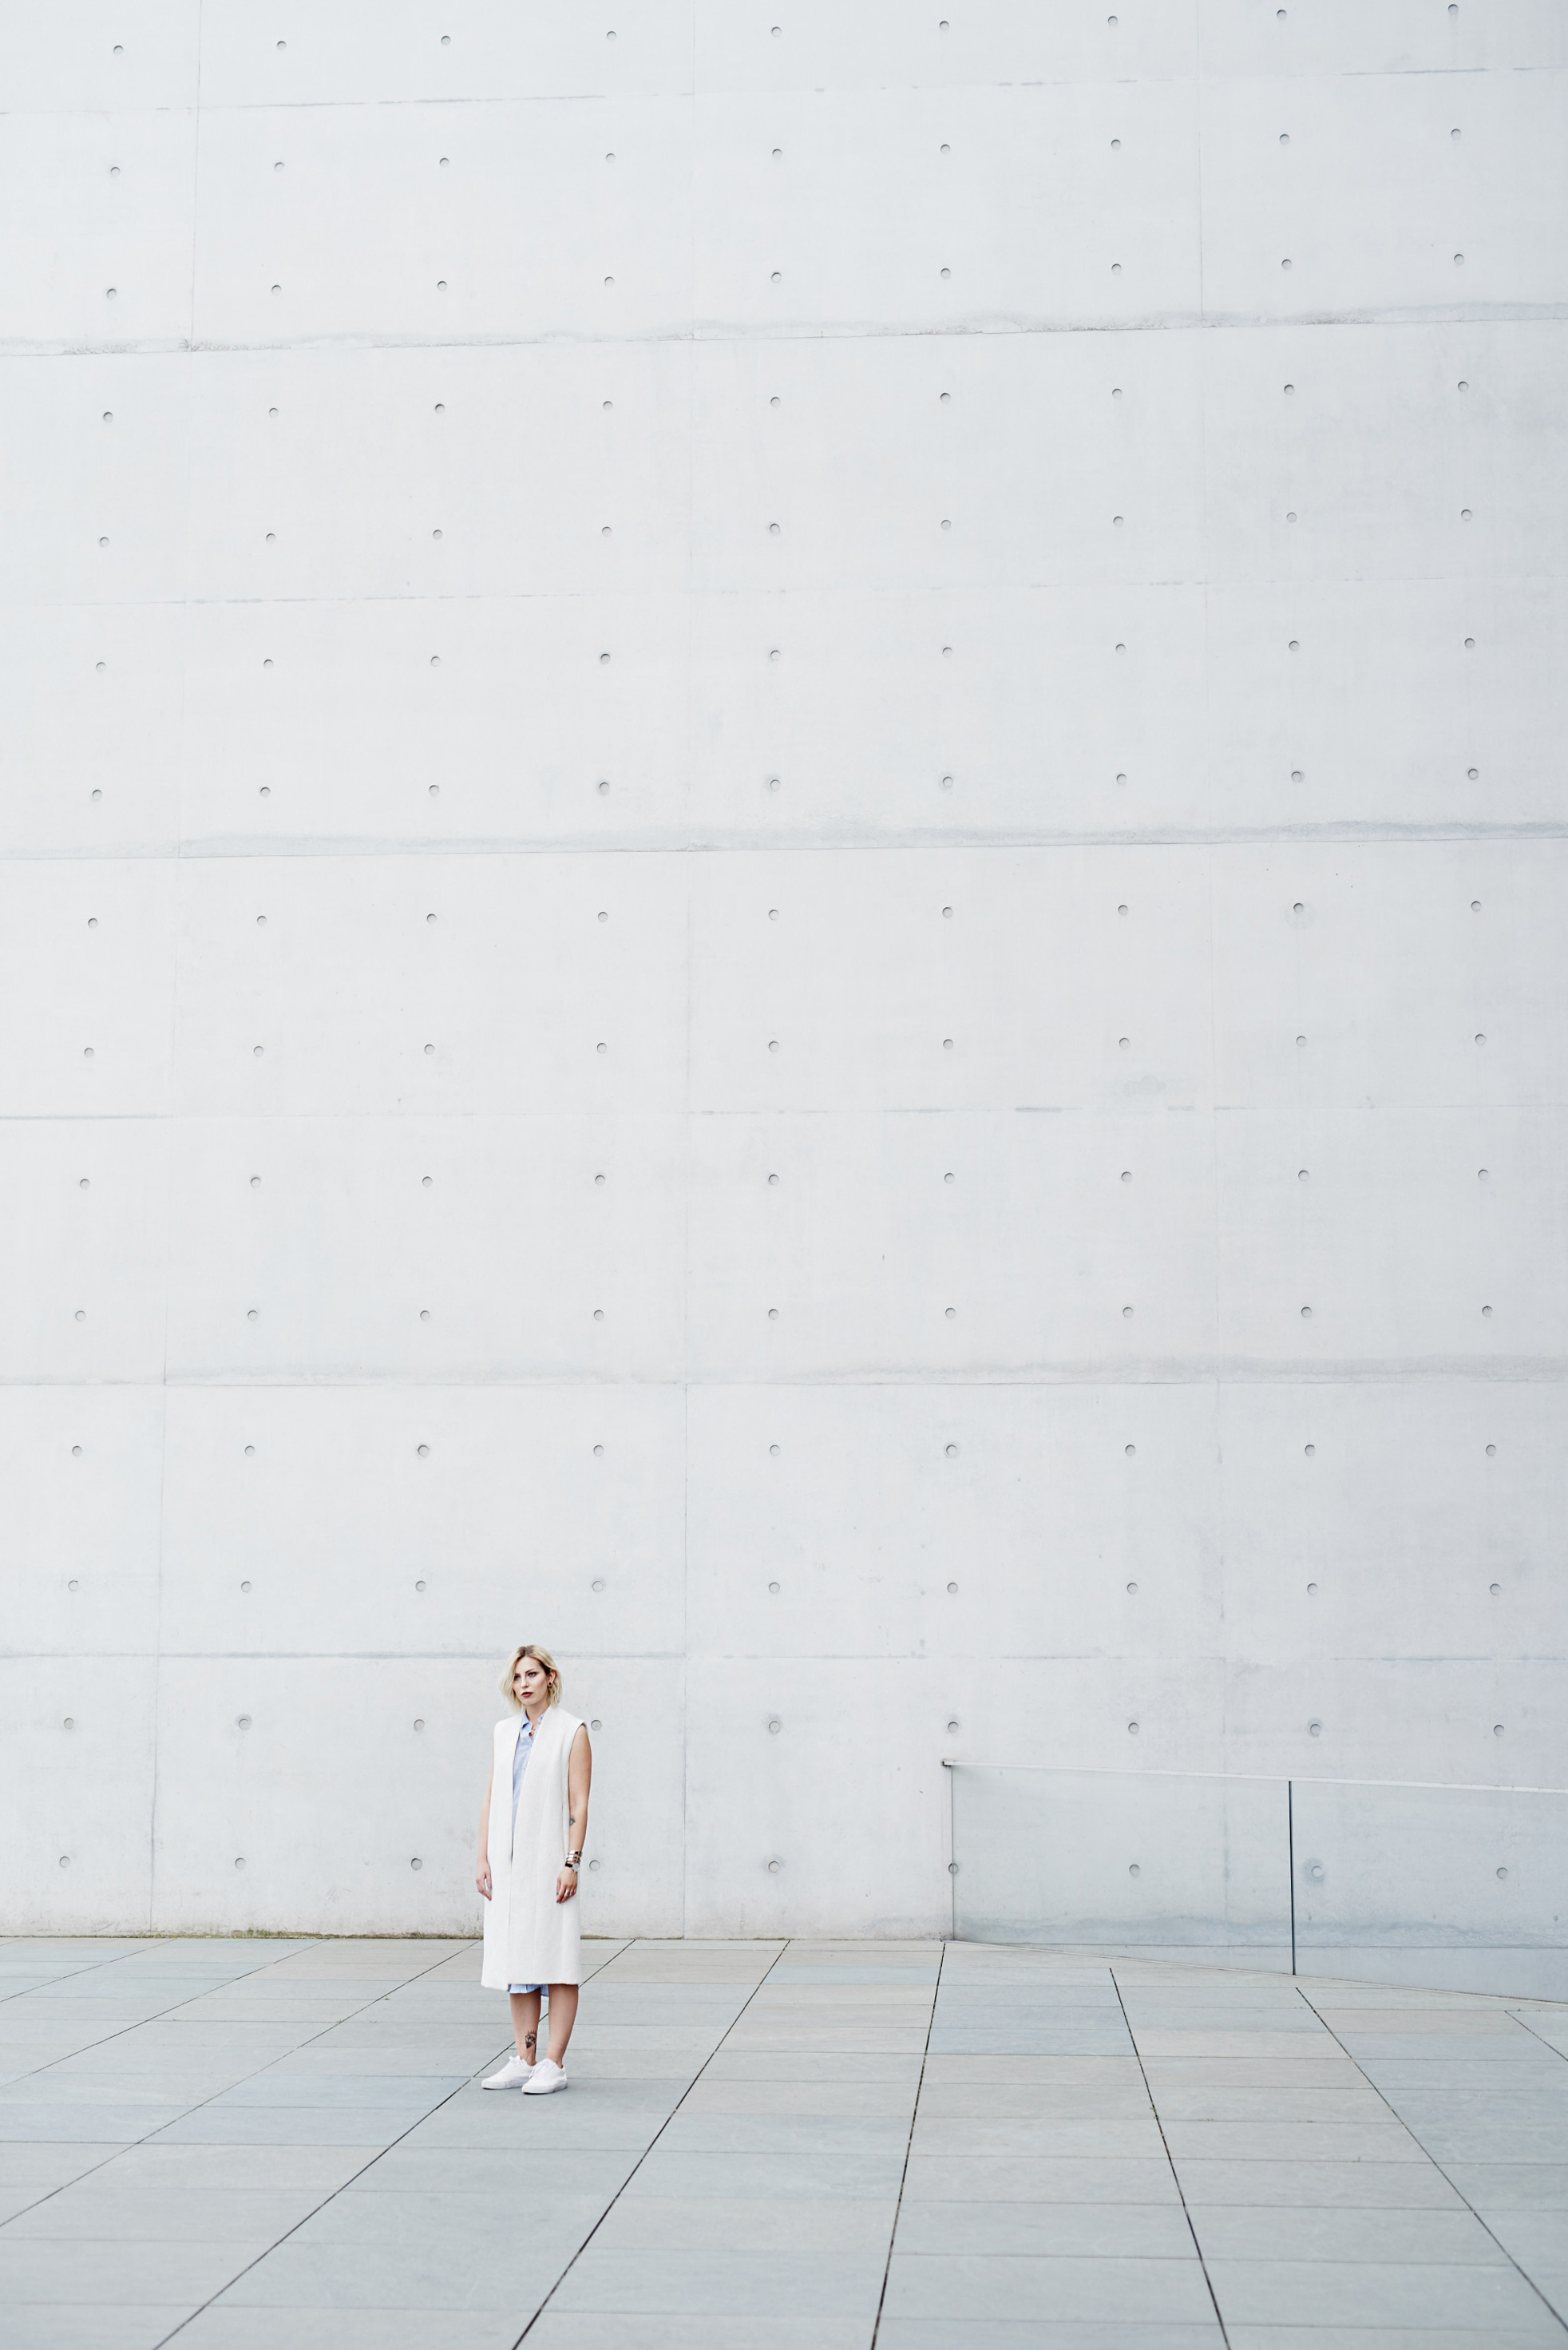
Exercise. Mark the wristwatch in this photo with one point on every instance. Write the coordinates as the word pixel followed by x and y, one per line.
pixel 572 1858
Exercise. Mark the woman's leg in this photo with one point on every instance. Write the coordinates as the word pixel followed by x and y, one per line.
pixel 526 2024
pixel 563 2015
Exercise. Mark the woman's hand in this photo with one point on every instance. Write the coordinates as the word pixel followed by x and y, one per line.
pixel 566 1884
pixel 481 1866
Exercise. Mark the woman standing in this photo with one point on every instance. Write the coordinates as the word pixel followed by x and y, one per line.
pixel 529 1852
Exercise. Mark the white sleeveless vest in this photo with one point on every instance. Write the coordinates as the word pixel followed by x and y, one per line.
pixel 529 1936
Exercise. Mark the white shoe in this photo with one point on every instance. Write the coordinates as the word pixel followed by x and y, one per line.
pixel 546 2076
pixel 513 2074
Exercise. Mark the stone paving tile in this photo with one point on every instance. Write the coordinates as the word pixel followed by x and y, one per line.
pixel 807 2017
pixel 1361 2293
pixel 31 2037
pixel 86 2125
pixel 1017 2001
pixel 105 2210
pixel 889 1978
pixel 306 2016
pixel 174 2040
pixel 733 2063
pixel 481 2217
pixel 37 2164
pixel 1496 2138
pixel 1551 2283
pixel 81 1949
pixel 225 2326
pixel 1512 2186
pixel 1327 2231
pixel 861 2170
pixel 507 2124
pixel 663 2054
pixel 961 2179
pixel 1128 2291
pixel 1379 2337
pixel 110 2271
pixel 721 2283
pixel 331 2062
pixel 1103 2230
pixel 160 2167
pixel 763 2133
pixel 828 2094
pixel 425 2274
pixel 92 2325
pixel 1043 2040
pixel 413 2092
pixel 959 2100
pixel 413 2166
pixel 962 1969
pixel 765 2223
pixel 1046 2334
pixel 180 2087
pixel 894 2040
pixel 1240 2102
pixel 594 2067
pixel 1382 2139
pixel 366 2125
pixel 1533 2088
pixel 1073 2071
pixel 1410 2017
pixel 1538 2239
pixel 14 2201
pixel 1012 2135
pixel 1369 2185
pixel 1153 2045
pixel 565 2329
pixel 108 2013
pixel 1316 2066
pixel 1513 2046
pixel 615 1996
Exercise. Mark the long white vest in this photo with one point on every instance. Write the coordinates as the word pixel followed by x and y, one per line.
pixel 529 1936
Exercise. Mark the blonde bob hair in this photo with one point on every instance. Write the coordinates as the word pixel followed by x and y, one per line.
pixel 541 1656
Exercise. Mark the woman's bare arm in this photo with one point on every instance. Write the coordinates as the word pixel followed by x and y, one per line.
pixel 579 1778
pixel 481 1867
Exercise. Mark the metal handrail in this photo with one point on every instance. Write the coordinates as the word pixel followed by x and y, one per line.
pixel 1248 1778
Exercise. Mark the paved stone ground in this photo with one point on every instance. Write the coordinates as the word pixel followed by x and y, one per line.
pixel 281 2146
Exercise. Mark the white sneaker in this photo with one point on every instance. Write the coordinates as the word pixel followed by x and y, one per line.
pixel 513 2074
pixel 546 2076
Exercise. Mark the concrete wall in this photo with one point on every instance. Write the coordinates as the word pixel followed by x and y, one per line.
pixel 766 785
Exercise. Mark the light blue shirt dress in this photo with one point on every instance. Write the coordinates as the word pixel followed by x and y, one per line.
pixel 519 1766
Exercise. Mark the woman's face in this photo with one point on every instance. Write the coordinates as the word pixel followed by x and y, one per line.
pixel 530 1682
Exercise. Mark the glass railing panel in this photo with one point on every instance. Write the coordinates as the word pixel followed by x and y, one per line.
pixel 1455 1888
pixel 1181 1864
pixel 1461 1887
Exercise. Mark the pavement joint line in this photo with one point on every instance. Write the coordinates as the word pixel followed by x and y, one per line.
pixel 87 1966
pixel 909 2141
pixel 90 1965
pixel 1525 2024
pixel 158 2016
pixel 653 2141
pixel 1175 2174
pixel 417 1976
pixel 1414 2136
